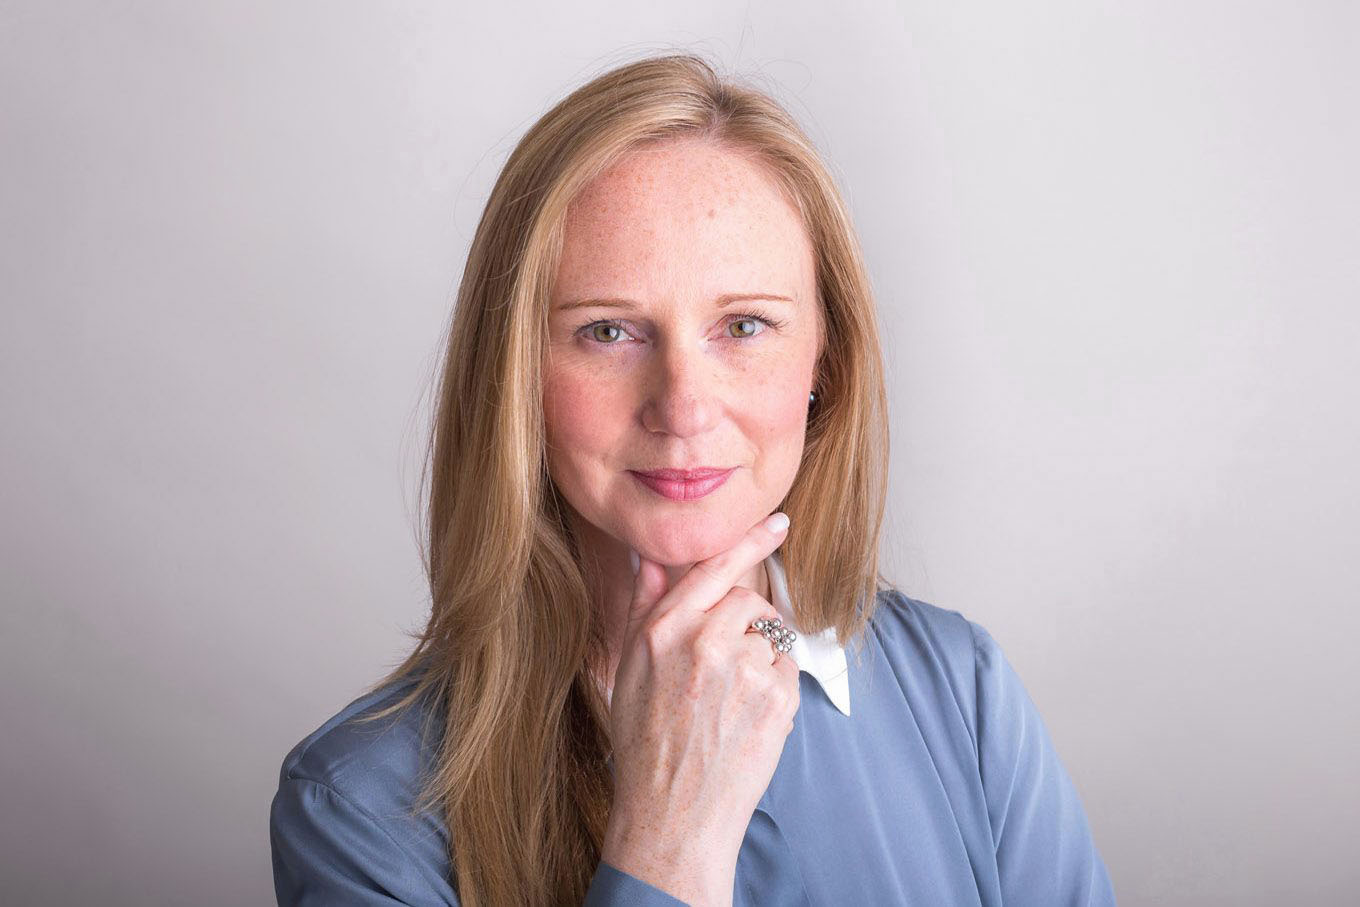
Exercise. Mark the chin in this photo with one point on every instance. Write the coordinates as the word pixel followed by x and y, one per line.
pixel 685 538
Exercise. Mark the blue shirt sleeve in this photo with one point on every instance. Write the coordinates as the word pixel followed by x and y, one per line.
pixel 327 850
pixel 1045 853
pixel 613 887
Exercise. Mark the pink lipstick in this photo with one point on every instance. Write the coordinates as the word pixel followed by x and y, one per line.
pixel 683 484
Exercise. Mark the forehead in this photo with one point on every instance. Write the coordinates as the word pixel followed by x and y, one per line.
pixel 686 216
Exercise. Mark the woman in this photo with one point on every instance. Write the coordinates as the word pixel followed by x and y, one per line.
pixel 665 335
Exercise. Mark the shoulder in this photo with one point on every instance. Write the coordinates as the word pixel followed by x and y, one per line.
pixel 923 632
pixel 954 675
pixel 347 811
pixel 938 654
pixel 351 753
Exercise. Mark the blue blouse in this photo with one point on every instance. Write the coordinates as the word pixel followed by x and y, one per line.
pixel 939 787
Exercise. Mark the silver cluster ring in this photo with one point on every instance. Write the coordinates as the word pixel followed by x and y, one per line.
pixel 773 629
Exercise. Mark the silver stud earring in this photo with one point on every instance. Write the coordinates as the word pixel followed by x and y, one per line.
pixel 812 396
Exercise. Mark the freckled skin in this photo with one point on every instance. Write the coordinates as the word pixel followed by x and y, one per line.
pixel 678 381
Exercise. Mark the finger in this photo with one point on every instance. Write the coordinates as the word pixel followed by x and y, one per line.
pixel 649 586
pixel 761 648
pixel 735 611
pixel 788 670
pixel 710 579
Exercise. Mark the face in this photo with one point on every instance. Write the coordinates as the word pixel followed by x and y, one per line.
pixel 683 334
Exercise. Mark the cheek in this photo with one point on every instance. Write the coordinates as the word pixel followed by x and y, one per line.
pixel 579 415
pixel 787 419
pixel 778 416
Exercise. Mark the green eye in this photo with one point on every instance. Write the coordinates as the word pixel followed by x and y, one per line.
pixel 604 326
pixel 610 333
pixel 748 333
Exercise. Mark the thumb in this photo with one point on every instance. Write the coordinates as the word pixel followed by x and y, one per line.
pixel 649 586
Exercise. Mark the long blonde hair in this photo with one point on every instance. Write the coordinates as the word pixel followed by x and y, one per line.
pixel 507 656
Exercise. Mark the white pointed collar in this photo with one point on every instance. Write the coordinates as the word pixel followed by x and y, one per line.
pixel 820 655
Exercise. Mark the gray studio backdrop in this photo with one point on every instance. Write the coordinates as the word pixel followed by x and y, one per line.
pixel 1115 249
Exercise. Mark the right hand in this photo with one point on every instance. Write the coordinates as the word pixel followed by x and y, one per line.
pixel 699 712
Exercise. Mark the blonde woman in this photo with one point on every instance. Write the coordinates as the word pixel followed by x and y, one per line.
pixel 661 666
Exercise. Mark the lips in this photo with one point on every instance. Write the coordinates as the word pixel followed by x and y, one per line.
pixel 684 475
pixel 683 484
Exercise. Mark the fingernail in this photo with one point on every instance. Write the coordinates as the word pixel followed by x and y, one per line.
pixel 634 560
pixel 777 522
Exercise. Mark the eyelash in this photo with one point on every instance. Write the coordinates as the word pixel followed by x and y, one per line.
pixel 736 317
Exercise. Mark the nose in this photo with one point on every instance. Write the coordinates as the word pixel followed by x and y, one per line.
pixel 681 391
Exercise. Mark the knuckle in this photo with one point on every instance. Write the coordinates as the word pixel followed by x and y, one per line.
pixel 752 676
pixel 655 637
pixel 741 595
pixel 707 651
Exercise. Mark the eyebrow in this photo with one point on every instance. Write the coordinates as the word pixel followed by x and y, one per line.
pixel 612 302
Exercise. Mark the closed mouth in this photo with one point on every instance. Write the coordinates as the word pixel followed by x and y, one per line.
pixel 683 475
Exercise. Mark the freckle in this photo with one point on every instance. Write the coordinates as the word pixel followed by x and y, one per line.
pixel 712 213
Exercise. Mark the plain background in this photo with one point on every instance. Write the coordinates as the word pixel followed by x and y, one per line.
pixel 1115 252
